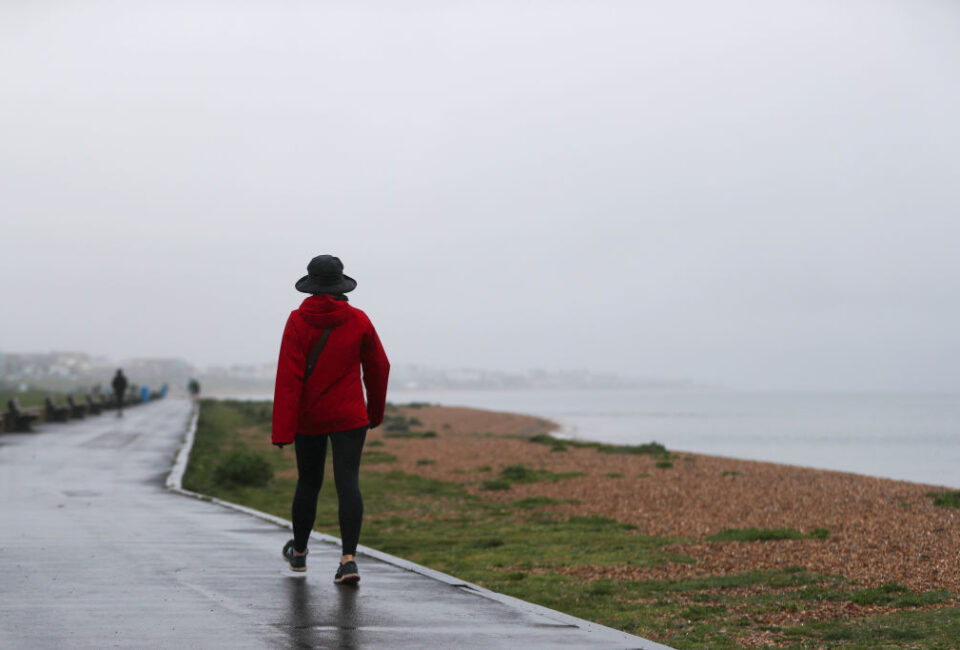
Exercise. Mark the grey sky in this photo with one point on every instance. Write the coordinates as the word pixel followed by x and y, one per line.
pixel 759 194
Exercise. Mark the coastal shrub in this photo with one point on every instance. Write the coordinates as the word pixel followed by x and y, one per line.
pixel 771 578
pixel 375 443
pixel 220 423
pixel 242 467
pixel 489 542
pixel 614 475
pixel 409 434
pixel 543 439
pixel 495 484
pixel 517 473
pixel 602 587
pixel 372 457
pixel 414 422
pixel 426 461
pixel 701 612
pixel 597 523
pixel 765 534
pixel 852 633
pixel 731 472
pixel 397 423
pixel 754 534
pixel 946 499
pixel 535 502
pixel 417 405
pixel 893 595
pixel 935 628
pixel 923 599
pixel 664 464
pixel 558 444
pixel 524 474
pixel 650 448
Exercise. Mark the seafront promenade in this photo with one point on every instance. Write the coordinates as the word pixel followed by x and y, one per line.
pixel 96 552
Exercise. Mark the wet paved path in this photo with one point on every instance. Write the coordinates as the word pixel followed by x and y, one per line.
pixel 95 552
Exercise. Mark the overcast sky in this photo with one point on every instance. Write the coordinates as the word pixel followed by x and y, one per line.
pixel 751 193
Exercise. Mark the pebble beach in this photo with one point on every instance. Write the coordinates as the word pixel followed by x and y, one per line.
pixel 879 531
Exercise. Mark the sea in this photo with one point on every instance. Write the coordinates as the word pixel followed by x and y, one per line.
pixel 906 436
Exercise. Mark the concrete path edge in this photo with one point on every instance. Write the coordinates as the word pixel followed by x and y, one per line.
pixel 174 483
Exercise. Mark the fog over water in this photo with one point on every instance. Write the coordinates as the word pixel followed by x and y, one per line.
pixel 905 436
pixel 753 194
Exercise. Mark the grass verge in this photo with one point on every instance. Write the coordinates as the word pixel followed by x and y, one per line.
pixel 765 534
pixel 574 564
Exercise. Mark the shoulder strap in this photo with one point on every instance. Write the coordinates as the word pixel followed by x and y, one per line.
pixel 315 352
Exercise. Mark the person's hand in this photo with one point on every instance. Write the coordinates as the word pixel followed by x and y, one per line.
pixel 280 444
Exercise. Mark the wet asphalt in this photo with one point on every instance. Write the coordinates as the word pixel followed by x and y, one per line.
pixel 95 552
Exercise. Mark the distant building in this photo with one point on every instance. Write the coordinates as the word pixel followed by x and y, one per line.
pixel 68 370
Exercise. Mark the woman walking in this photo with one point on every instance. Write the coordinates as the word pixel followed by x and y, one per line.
pixel 319 395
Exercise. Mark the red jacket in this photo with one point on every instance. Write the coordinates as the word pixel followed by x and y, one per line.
pixel 332 398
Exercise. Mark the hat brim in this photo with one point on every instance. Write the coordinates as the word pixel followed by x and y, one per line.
pixel 307 284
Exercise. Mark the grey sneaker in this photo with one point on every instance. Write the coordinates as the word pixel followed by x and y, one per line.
pixel 347 574
pixel 296 562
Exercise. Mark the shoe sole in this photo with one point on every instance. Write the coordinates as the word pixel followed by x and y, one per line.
pixel 349 579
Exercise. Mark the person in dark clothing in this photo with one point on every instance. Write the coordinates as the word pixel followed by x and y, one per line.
pixel 119 390
pixel 194 387
pixel 329 353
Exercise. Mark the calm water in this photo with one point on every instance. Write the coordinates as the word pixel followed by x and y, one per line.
pixel 914 437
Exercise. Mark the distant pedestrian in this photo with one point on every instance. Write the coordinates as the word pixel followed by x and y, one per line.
pixel 119 390
pixel 194 387
pixel 318 395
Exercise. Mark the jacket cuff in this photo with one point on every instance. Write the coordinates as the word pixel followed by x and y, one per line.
pixel 281 439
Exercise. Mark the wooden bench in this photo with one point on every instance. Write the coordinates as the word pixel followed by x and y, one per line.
pixel 77 411
pixel 16 420
pixel 92 406
pixel 54 413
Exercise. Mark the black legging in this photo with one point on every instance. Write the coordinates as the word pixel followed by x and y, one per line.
pixel 311 458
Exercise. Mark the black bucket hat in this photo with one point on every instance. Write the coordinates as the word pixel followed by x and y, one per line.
pixel 325 275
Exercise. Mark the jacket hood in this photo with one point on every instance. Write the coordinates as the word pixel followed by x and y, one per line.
pixel 324 311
